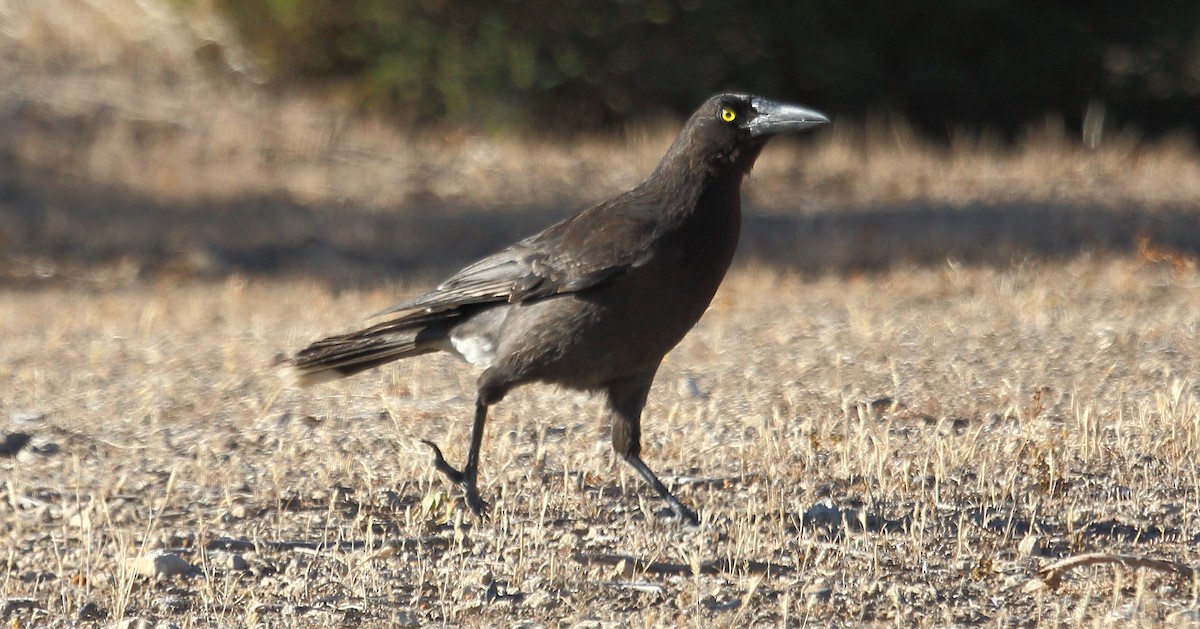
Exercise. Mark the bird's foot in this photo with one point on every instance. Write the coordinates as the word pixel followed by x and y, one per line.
pixel 476 504
pixel 471 492
pixel 685 514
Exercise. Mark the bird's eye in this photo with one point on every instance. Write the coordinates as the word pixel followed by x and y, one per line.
pixel 728 114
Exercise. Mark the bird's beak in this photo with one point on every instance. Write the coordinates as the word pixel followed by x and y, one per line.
pixel 774 118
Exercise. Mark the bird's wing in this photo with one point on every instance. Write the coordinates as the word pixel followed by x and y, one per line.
pixel 581 252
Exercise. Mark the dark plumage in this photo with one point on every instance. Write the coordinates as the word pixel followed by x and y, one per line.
pixel 595 301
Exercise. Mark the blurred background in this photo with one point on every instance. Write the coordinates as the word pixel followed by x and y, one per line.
pixel 941 64
pixel 346 140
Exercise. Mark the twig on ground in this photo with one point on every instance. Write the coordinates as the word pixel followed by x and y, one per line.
pixel 1049 577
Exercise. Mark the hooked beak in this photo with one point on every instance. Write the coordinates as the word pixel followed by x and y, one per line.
pixel 774 118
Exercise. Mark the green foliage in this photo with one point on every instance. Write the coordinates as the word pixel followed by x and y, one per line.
pixel 590 63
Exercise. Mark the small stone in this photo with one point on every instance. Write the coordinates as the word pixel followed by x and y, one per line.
pixel 135 623
pixel 537 599
pixel 1031 546
pixel 234 561
pixel 161 565
pixel 13 443
pixel 693 390
pixel 45 447
pixel 91 612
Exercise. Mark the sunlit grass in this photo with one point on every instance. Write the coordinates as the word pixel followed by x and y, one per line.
pixel 886 443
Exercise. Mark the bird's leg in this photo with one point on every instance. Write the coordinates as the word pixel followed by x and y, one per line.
pixel 466 478
pixel 626 398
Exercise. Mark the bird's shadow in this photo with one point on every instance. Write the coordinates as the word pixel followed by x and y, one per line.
pixel 79 226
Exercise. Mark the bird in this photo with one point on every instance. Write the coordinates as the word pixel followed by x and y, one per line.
pixel 593 302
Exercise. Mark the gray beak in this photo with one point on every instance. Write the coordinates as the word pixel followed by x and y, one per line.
pixel 774 118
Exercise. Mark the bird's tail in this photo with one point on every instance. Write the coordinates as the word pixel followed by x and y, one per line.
pixel 340 356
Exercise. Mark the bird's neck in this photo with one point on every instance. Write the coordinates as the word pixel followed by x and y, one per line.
pixel 706 189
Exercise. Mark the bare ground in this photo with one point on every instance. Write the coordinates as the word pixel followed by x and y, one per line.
pixel 932 374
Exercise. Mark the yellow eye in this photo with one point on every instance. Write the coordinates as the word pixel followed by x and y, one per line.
pixel 728 114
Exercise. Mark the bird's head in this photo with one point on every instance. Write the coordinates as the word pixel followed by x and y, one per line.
pixel 732 128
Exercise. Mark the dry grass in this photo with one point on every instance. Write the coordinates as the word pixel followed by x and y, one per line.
pixel 905 449
pixel 1012 383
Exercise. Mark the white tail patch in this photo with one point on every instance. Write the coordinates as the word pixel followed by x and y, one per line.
pixel 477 350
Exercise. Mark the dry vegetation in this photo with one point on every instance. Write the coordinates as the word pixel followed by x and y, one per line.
pixel 909 448
pixel 933 374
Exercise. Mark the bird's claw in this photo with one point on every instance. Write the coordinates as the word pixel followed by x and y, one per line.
pixel 475 503
pixel 442 466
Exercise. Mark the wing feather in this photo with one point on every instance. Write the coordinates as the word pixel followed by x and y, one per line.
pixel 587 250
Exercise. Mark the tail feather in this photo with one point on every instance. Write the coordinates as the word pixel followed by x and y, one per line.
pixel 340 356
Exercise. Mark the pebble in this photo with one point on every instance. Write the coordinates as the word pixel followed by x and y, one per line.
pixel 13 443
pixel 45 447
pixel 161 565
pixel 536 599
pixel 134 623
pixel 233 561
pixel 693 390
pixel 1031 546
pixel 92 612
